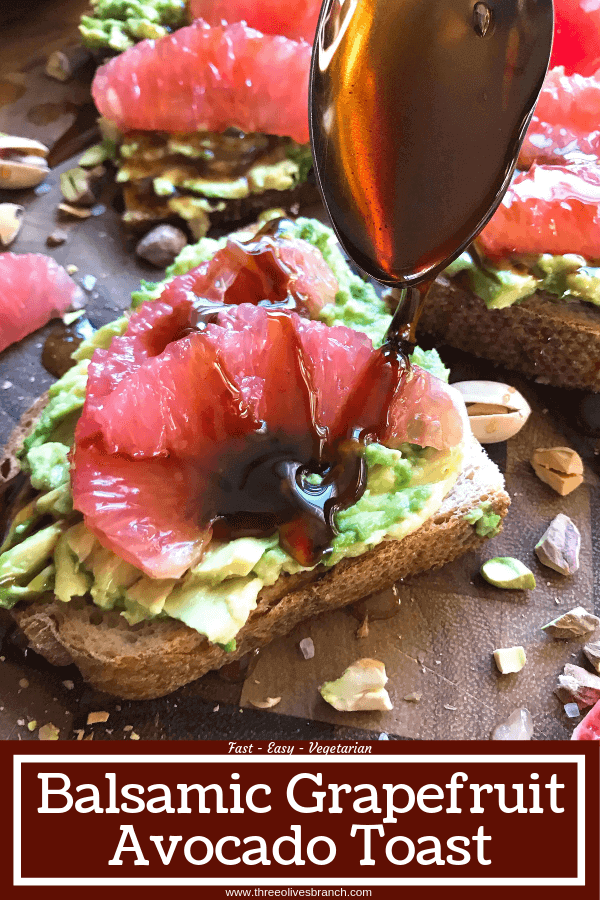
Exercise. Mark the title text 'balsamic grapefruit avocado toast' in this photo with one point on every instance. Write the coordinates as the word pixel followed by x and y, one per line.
pixel 529 296
pixel 235 455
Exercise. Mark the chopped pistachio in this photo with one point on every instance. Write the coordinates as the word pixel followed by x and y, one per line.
pixel 363 629
pixel 581 685
pixel 558 548
pixel 413 698
pixel 58 66
pixel 57 237
pixel 49 732
pixel 361 687
pixel 575 623
pixel 31 726
pixel 71 317
pixel 508 573
pixel 307 648
pixel 98 153
pixel 75 186
pixel 266 704
pixel 78 212
pixel 162 245
pixel 559 467
pixel 592 652
pixel 510 659
pixel 518 727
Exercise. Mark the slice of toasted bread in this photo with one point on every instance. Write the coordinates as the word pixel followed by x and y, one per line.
pixel 554 341
pixel 141 214
pixel 154 658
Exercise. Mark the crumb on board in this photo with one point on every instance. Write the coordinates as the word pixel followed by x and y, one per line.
pixel 95 718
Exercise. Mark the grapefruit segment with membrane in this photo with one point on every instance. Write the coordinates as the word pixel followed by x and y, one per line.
pixel 204 78
pixel 260 270
pixel 176 403
pixel 424 412
pixel 550 209
pixel 140 511
pixel 589 727
pixel 268 16
pixel 257 353
pixel 33 290
pixel 566 120
pixel 335 357
pixel 576 44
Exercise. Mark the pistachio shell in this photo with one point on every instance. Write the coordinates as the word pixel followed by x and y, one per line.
pixel 266 704
pixel 17 175
pixel 9 142
pixel 496 411
pixel 10 222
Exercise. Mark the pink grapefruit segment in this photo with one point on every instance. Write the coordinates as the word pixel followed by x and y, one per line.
pixel 576 43
pixel 265 269
pixel 426 412
pixel 177 402
pixel 336 359
pixel 209 79
pixel 151 329
pixel 550 209
pixel 33 290
pixel 140 511
pixel 268 16
pixel 589 727
pixel 566 121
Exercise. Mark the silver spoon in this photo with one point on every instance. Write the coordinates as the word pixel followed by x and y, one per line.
pixel 418 109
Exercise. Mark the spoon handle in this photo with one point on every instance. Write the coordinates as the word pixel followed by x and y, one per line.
pixel 402 328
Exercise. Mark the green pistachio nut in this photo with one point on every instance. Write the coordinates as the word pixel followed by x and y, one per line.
pixel 508 573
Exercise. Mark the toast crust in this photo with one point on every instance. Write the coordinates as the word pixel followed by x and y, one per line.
pixel 553 341
pixel 154 658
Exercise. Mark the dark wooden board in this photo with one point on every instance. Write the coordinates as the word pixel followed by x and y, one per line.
pixel 441 639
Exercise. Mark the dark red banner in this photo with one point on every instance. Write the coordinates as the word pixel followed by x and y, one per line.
pixel 300 815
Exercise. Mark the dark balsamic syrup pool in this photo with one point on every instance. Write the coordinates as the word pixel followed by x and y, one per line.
pixel 265 483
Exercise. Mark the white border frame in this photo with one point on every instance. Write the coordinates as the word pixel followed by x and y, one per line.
pixel 578 881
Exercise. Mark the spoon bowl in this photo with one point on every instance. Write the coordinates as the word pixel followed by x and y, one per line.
pixel 418 109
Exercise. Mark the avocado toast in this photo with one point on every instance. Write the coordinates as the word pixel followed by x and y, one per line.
pixel 78 600
pixel 527 296
pixel 183 117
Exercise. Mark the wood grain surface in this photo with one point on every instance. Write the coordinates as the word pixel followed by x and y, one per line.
pixel 439 640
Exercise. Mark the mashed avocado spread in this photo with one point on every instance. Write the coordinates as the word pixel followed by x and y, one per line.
pixel 565 278
pixel 119 24
pixel 194 175
pixel 404 488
